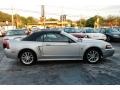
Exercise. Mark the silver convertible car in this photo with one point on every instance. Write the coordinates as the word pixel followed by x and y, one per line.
pixel 56 45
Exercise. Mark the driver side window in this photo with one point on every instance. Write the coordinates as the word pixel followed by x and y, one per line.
pixel 55 37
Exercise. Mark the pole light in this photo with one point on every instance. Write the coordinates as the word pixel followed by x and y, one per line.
pixel 12 17
pixel 7 24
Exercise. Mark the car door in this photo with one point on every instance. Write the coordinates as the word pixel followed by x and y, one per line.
pixel 56 45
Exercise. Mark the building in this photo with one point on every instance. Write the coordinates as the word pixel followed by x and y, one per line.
pixel 63 18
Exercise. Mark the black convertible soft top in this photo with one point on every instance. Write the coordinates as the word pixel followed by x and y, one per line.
pixel 33 36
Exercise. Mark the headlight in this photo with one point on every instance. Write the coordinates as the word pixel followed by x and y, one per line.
pixel 108 46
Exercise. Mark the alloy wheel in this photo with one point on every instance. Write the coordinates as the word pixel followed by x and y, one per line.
pixel 27 58
pixel 93 56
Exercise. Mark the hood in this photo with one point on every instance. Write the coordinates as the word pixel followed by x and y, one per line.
pixel 87 40
pixel 95 34
pixel 116 33
pixel 93 43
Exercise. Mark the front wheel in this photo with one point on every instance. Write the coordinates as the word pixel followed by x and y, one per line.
pixel 27 57
pixel 108 38
pixel 92 56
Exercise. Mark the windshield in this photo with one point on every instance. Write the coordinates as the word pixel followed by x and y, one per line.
pixel 78 31
pixel 69 30
pixel 114 30
pixel 90 31
pixel 15 32
pixel 71 36
pixel 72 30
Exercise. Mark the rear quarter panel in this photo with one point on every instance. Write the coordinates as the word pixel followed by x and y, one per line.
pixel 17 46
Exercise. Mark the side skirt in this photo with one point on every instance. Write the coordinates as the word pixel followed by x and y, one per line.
pixel 58 58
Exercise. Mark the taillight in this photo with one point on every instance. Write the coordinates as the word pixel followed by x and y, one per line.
pixel 5 43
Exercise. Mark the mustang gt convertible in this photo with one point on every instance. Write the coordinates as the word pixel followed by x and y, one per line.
pixel 56 45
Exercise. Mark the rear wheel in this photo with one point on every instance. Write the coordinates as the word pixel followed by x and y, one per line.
pixel 27 57
pixel 92 56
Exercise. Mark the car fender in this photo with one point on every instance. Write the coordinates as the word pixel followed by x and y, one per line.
pixel 90 47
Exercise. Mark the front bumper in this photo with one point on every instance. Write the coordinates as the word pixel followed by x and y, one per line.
pixel 116 39
pixel 108 52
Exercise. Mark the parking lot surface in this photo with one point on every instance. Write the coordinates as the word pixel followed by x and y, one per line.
pixel 106 72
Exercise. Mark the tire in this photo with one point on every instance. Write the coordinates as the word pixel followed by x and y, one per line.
pixel 27 57
pixel 108 39
pixel 92 56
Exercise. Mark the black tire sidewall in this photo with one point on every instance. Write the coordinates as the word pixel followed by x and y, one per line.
pixel 85 57
pixel 108 38
pixel 34 57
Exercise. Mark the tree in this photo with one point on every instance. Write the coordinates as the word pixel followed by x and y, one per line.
pixel 19 21
pixel 70 22
pixel 24 20
pixel 51 19
pixel 112 21
pixel 31 20
pixel 81 23
pixel 5 17
pixel 91 21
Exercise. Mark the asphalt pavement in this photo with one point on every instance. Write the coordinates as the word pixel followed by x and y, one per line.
pixel 61 72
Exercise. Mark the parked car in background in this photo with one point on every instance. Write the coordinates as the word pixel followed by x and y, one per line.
pixel 116 27
pixel 2 33
pixel 75 32
pixel 14 34
pixel 35 29
pixel 112 34
pixel 27 32
pixel 119 29
pixel 94 34
pixel 57 45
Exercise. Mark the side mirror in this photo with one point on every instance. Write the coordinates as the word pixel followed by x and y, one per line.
pixel 70 41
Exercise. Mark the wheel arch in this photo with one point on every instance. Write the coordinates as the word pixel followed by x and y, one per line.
pixel 96 48
pixel 25 49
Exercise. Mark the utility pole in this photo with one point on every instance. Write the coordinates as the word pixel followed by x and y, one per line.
pixel 62 16
pixel 43 15
pixel 12 18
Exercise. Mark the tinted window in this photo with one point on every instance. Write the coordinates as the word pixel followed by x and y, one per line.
pixel 31 37
pixel 108 31
pixel 89 31
pixel 69 30
pixel 55 37
pixel 15 32
pixel 114 30
pixel 40 38
pixel 78 31
pixel 102 31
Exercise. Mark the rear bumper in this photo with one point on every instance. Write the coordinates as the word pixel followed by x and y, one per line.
pixel 10 54
pixel 108 52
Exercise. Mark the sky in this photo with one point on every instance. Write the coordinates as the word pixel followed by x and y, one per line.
pixel 74 9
